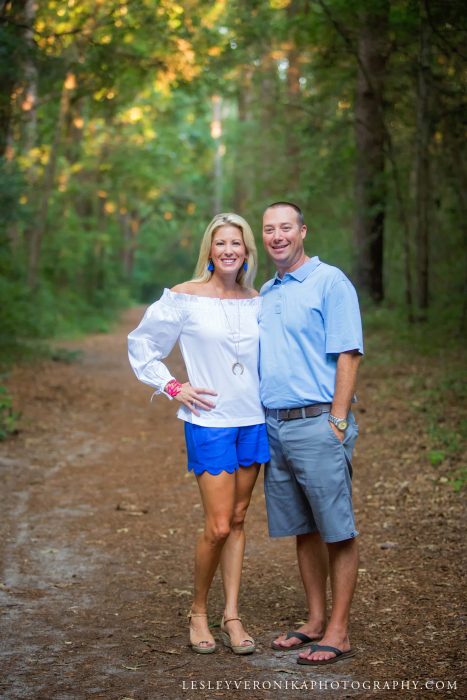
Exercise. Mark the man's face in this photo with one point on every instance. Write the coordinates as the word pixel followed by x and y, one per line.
pixel 283 238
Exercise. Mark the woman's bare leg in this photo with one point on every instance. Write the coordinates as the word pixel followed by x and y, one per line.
pixel 233 551
pixel 218 498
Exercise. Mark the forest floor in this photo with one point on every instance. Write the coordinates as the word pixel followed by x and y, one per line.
pixel 99 519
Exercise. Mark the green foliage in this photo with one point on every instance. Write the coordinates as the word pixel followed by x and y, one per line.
pixel 8 417
pixel 459 479
pixel 436 457
pixel 431 358
pixel 116 163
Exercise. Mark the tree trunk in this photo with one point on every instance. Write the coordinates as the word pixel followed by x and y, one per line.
pixel 38 232
pixel 29 97
pixel 12 37
pixel 293 100
pixel 455 142
pixel 422 168
pixel 405 230
pixel 216 133
pixel 74 131
pixel 130 225
pixel 265 179
pixel 242 174
pixel 370 189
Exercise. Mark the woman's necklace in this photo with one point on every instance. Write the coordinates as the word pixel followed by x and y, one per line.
pixel 237 367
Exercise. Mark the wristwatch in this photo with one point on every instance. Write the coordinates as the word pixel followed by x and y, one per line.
pixel 340 423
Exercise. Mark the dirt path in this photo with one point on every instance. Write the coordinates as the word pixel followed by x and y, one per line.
pixel 98 524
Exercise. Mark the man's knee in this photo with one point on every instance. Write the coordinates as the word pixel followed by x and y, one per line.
pixel 309 537
pixel 344 551
pixel 348 544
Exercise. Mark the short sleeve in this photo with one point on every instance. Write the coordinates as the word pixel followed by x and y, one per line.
pixel 153 340
pixel 342 320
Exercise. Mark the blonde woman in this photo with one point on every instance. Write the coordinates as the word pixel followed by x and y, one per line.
pixel 214 318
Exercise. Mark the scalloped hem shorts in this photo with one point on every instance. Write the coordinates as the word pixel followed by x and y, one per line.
pixel 308 482
pixel 217 450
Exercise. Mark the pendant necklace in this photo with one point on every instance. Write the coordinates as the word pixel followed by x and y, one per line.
pixel 237 367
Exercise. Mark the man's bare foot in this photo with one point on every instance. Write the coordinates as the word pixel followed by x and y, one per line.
pixel 331 640
pixel 311 633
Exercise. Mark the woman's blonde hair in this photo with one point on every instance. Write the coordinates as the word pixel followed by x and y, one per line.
pixel 244 278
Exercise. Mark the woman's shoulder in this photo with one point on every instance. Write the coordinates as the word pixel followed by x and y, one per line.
pixel 202 290
pixel 186 288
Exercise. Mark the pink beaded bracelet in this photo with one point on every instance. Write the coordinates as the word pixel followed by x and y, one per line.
pixel 173 388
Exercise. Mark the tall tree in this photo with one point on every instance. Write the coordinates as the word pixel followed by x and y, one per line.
pixel 293 98
pixel 370 190
pixel 422 163
pixel 39 229
pixel 29 96
pixel 12 50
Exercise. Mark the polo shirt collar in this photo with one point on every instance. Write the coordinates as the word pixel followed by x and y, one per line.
pixel 300 274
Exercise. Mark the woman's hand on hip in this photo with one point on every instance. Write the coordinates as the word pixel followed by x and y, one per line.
pixel 192 397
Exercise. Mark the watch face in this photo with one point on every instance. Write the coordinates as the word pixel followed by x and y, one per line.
pixel 342 425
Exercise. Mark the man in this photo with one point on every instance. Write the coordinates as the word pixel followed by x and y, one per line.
pixel 311 345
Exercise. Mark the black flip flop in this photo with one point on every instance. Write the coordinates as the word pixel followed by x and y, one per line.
pixel 306 641
pixel 339 655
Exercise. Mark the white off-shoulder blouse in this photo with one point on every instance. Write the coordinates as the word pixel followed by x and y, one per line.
pixel 209 332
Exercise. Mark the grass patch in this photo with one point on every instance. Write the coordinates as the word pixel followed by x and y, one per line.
pixel 431 358
pixel 8 417
pixel 34 350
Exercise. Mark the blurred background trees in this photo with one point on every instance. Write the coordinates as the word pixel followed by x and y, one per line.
pixel 125 125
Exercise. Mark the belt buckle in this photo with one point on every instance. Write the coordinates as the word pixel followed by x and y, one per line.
pixel 287 414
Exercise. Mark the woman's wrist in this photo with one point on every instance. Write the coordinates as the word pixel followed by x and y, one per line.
pixel 173 388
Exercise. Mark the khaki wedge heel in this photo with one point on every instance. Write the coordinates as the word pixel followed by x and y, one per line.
pixel 196 646
pixel 236 648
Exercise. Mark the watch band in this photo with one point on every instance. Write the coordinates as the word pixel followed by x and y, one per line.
pixel 340 423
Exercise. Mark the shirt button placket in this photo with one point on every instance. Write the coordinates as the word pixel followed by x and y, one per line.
pixel 278 303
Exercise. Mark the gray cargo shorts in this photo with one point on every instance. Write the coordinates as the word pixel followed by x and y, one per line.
pixel 308 482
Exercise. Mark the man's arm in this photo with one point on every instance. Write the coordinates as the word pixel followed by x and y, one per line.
pixel 346 379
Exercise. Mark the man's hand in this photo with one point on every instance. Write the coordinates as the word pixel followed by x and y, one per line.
pixel 340 434
pixel 346 377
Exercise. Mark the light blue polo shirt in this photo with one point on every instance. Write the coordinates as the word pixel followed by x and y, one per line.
pixel 307 318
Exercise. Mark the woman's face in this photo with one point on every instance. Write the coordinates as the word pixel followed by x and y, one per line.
pixel 228 251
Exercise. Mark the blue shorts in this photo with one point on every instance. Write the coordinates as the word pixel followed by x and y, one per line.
pixel 308 482
pixel 217 450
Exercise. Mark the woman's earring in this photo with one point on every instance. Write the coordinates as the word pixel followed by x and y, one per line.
pixel 245 266
pixel 210 265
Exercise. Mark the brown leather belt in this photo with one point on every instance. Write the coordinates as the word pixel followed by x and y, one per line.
pixel 316 409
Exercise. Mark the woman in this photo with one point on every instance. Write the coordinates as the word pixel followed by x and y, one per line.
pixel 214 318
